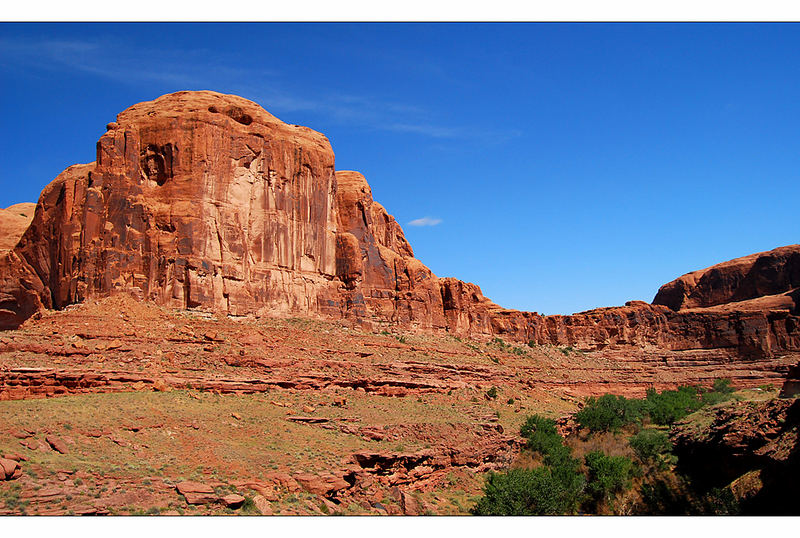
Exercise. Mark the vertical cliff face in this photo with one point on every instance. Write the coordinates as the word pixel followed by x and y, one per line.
pixel 196 200
pixel 384 281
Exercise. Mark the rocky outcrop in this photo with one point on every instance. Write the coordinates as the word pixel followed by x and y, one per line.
pixel 751 447
pixel 205 201
pixel 196 200
pixel 776 272
pixel 14 221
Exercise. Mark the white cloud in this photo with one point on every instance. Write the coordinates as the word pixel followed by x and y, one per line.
pixel 425 221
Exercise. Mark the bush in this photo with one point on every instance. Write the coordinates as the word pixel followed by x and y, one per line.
pixel 543 437
pixel 651 445
pixel 723 386
pixel 672 405
pixel 608 475
pixel 609 413
pixel 529 492
pixel 722 391
pixel 721 502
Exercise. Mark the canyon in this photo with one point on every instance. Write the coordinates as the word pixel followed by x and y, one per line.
pixel 205 201
pixel 212 279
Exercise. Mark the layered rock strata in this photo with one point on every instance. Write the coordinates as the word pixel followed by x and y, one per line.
pixel 205 201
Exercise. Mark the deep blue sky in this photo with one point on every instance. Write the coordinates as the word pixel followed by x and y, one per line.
pixel 571 165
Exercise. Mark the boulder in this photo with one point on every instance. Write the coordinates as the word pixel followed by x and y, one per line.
pixel 57 444
pixel 263 505
pixel 325 484
pixel 8 468
pixel 197 493
pixel 233 501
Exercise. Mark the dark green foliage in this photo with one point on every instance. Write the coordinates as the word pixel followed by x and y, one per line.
pixel 671 405
pixel 659 498
pixel 720 502
pixel 651 446
pixel 555 488
pixel 542 436
pixel 608 475
pixel 722 391
pixel 609 413
pixel 492 393
pixel 530 492
pixel 723 385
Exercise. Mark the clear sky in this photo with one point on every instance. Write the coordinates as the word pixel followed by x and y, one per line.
pixel 561 167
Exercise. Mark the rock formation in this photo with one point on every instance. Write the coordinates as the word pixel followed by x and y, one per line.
pixel 774 274
pixel 14 221
pixel 751 447
pixel 205 201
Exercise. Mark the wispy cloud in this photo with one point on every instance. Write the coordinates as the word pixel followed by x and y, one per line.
pixel 425 221
pixel 199 68
pixel 434 131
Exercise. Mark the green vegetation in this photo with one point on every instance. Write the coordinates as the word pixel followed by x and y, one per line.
pixel 670 406
pixel 607 475
pixel 508 348
pixel 609 413
pixel 527 492
pixel 651 446
pixel 550 480
pixel 492 393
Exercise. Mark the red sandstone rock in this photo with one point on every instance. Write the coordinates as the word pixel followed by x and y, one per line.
pixel 262 505
pixel 232 501
pixel 326 484
pixel 205 201
pixel 57 444
pixel 7 468
pixel 410 505
pixel 196 493
pixel 14 221
pixel 757 275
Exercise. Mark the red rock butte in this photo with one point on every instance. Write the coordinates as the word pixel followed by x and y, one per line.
pixel 205 201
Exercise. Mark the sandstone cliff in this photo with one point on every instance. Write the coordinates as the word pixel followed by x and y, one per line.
pixel 14 221
pixel 200 200
pixel 767 274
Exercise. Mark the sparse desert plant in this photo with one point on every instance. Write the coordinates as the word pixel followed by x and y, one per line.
pixel 723 385
pixel 492 393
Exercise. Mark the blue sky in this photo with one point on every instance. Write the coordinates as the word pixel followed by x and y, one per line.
pixel 561 167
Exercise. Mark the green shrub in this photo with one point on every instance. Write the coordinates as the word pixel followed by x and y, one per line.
pixel 530 492
pixel 492 393
pixel 609 413
pixel 671 405
pixel 543 438
pixel 608 475
pixel 651 445
pixel 723 385
pixel 541 434
pixel 720 502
